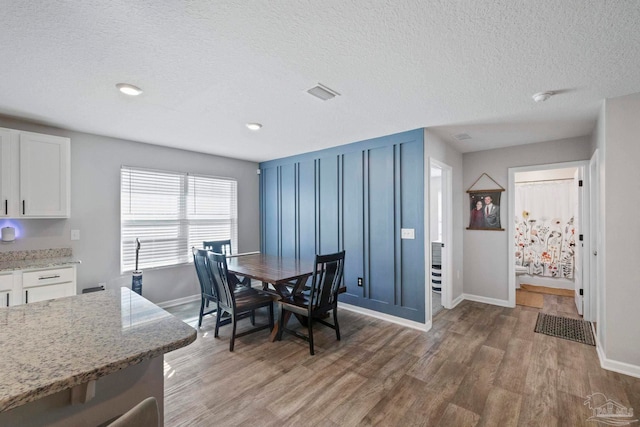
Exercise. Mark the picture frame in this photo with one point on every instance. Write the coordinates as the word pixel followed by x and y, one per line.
pixel 484 204
pixel 484 208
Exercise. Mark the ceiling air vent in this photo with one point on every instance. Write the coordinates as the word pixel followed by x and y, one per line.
pixel 462 136
pixel 323 92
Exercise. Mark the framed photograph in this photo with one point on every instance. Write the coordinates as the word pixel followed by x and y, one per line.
pixel 484 207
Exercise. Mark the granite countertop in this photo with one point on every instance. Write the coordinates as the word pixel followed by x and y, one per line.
pixel 34 264
pixel 50 346
pixel 36 259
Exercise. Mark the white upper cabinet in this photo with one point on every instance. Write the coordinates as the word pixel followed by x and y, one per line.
pixel 34 175
pixel 8 196
pixel 44 176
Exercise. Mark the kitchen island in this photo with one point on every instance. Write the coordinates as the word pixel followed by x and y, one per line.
pixel 85 359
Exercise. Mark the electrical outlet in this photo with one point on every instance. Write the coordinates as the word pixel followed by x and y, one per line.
pixel 360 282
pixel 75 234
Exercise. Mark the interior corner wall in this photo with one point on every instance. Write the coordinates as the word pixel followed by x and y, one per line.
pixel 355 197
pixel 95 209
pixel 486 251
pixel 621 185
pixel 438 149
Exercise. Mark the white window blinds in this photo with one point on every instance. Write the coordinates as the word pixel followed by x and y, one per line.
pixel 171 212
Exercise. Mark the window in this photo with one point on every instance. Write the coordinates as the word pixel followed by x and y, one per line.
pixel 171 212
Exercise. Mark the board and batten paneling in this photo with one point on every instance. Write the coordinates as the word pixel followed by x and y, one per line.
pixel 355 197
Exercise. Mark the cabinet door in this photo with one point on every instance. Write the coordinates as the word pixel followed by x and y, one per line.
pixel 5 298
pixel 42 293
pixel 44 176
pixel 6 171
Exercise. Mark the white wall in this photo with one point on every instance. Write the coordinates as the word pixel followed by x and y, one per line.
pixel 436 148
pixel 620 243
pixel 95 208
pixel 486 252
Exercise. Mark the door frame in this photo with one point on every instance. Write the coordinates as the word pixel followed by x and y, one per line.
pixel 447 235
pixel 584 224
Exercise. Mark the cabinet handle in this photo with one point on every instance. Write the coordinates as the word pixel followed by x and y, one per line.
pixel 55 276
pixel 23 208
pixel 7 299
pixel 6 207
pixel 26 296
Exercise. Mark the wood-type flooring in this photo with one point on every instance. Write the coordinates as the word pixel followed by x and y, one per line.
pixel 480 365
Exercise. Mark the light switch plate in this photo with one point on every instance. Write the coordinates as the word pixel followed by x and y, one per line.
pixel 75 234
pixel 408 233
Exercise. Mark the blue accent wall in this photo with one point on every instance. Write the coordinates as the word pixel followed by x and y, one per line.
pixel 354 197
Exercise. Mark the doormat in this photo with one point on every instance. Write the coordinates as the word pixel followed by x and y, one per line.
pixel 565 327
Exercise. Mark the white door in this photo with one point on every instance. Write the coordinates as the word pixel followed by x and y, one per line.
pixel 594 180
pixel 578 248
pixel 44 176
pixel 440 205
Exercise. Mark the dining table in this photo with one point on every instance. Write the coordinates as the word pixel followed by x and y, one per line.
pixel 280 276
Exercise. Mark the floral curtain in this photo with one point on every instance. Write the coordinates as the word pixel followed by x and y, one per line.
pixel 545 229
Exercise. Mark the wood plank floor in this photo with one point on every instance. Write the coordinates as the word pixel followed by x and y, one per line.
pixel 480 365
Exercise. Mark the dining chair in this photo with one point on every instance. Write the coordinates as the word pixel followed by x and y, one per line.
pixel 208 291
pixel 235 303
pixel 144 414
pixel 224 247
pixel 319 300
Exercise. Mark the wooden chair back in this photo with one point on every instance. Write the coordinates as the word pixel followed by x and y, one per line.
pixel 327 277
pixel 217 265
pixel 207 286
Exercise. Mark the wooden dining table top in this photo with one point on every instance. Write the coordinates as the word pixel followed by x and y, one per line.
pixel 270 268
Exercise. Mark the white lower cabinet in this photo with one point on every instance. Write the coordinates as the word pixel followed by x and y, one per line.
pixel 26 287
pixel 43 293
pixel 48 284
pixel 5 298
pixel 6 287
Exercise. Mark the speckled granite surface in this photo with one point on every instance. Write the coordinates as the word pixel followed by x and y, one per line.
pixel 54 345
pixel 34 259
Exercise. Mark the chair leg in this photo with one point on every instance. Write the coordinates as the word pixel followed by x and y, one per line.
pixel 201 311
pixel 310 329
pixel 253 318
pixel 271 316
pixel 335 322
pixel 233 330
pixel 218 316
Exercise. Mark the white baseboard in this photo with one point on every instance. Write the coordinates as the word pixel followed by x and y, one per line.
pixel 383 316
pixel 486 300
pixel 614 365
pixel 457 301
pixel 174 302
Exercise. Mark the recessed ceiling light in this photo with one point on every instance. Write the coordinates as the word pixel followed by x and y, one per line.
pixel 542 96
pixel 323 92
pixel 254 126
pixel 128 89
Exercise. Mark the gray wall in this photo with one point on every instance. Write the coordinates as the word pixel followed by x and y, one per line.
pixel 95 208
pixel 486 252
pixel 436 148
pixel 621 185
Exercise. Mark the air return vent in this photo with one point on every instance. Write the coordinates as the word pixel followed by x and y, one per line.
pixel 323 92
pixel 462 136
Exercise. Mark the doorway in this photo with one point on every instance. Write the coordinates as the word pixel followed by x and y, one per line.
pixel 439 268
pixel 548 225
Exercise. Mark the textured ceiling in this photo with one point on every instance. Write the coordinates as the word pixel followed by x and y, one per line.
pixel 209 67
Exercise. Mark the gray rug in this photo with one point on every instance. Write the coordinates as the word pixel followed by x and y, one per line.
pixel 565 327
